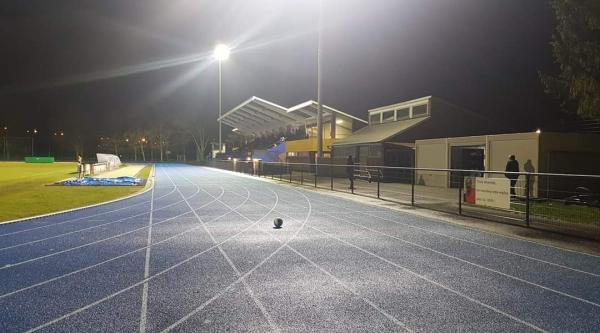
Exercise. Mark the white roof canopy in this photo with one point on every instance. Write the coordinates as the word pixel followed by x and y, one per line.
pixel 258 116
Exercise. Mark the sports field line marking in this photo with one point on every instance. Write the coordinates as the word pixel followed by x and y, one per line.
pixel 465 261
pixel 88 244
pixel 434 282
pixel 326 272
pixel 223 291
pixel 424 277
pixel 430 218
pixel 144 308
pixel 89 228
pixel 50 224
pixel 114 258
pixel 249 290
pixel 472 242
pixel 51 322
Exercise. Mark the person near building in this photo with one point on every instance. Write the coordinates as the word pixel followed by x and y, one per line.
pixel 512 166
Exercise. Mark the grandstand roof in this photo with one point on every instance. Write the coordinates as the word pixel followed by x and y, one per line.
pixel 258 116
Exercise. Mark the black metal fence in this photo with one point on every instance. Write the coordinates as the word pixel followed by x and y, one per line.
pixel 564 203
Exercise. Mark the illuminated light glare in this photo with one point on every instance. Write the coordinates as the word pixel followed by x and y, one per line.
pixel 339 121
pixel 538 131
pixel 256 159
pixel 229 158
pixel 221 52
pixel 235 159
pixel 248 158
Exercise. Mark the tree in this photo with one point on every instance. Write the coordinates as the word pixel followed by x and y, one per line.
pixel 576 48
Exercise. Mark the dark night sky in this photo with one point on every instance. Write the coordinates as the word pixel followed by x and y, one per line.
pixel 64 62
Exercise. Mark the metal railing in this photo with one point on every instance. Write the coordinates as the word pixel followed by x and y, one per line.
pixel 565 203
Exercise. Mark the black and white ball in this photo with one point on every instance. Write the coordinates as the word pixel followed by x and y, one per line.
pixel 278 222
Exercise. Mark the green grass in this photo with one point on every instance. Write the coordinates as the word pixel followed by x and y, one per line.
pixel 23 190
pixel 558 211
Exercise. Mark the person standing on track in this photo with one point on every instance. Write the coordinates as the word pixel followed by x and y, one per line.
pixel 350 171
pixel 512 166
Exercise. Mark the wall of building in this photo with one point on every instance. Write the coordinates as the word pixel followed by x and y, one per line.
pixel 432 153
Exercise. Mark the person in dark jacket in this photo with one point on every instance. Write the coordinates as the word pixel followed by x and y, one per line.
pixel 512 166
pixel 350 171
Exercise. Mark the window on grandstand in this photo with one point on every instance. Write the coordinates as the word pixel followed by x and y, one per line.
pixel 402 114
pixel 375 118
pixel 388 116
pixel 419 110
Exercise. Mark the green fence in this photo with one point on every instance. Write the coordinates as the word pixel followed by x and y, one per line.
pixel 39 159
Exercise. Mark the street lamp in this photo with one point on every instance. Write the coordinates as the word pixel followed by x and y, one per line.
pixel 221 53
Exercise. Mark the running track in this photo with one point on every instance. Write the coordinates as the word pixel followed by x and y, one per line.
pixel 198 253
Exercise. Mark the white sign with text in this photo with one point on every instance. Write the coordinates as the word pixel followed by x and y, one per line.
pixel 492 192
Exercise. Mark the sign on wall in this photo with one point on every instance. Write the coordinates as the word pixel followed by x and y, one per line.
pixel 490 192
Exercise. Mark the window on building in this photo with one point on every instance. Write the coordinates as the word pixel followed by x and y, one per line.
pixel 375 118
pixel 375 151
pixel 419 110
pixel 402 114
pixel 388 116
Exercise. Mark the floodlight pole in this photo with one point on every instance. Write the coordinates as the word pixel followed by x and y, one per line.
pixel 319 87
pixel 220 108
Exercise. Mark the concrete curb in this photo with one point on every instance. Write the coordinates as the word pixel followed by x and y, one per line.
pixel 148 187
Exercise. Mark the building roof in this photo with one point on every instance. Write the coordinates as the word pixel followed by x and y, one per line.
pixel 258 116
pixel 380 132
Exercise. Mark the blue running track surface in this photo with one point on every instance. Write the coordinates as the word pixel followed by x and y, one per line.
pixel 199 253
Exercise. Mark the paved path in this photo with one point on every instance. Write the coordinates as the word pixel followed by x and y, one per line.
pixel 199 253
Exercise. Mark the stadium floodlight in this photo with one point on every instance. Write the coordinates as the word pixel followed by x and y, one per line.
pixel 222 52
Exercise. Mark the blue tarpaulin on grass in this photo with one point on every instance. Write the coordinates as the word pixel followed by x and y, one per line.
pixel 91 181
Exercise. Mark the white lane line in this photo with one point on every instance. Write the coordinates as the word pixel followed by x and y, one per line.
pixel 94 226
pixel 337 280
pixel 114 258
pixel 424 277
pixel 223 291
pixel 468 241
pixel 91 305
pixel 466 261
pixel 249 290
pixel 85 245
pixel 51 224
pixel 433 282
pixel 144 309
pixel 438 220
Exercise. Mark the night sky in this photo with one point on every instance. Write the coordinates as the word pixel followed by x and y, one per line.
pixel 105 66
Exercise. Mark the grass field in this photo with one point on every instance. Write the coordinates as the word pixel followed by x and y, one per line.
pixel 23 190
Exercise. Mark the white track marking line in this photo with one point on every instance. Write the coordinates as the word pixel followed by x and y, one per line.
pixel 111 259
pixel 249 290
pixel 466 261
pixel 94 226
pixel 88 244
pixel 433 282
pixel 433 219
pixel 424 277
pixel 466 240
pixel 337 280
pixel 223 291
pixel 51 322
pixel 50 224
pixel 144 309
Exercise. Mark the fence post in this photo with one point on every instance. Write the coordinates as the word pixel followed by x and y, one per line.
pixel 378 179
pixel 290 171
pixel 412 187
pixel 316 171
pixel 527 197
pixel 302 176
pixel 460 188
pixel 331 172
pixel 280 171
